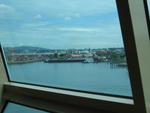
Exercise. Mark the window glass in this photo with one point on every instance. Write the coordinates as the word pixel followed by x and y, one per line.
pixel 71 44
pixel 148 2
pixel 16 108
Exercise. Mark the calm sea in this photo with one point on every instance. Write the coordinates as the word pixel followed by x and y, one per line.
pixel 93 77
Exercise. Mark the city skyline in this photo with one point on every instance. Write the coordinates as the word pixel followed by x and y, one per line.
pixel 60 24
pixel 24 46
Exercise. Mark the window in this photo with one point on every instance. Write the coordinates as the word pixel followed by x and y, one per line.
pixel 134 58
pixel 64 44
pixel 148 2
pixel 16 108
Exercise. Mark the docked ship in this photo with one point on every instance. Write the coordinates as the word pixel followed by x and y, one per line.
pixel 59 60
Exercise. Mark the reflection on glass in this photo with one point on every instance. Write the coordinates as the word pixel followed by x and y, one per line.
pixel 72 44
pixel 16 108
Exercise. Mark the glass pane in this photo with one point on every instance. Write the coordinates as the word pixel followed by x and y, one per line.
pixel 71 44
pixel 16 108
pixel 148 1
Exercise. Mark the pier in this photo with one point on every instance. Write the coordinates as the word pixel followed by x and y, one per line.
pixel 64 60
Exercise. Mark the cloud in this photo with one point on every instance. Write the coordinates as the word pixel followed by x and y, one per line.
pixel 67 18
pixel 77 15
pixel 6 11
pixel 38 16
pixel 59 22
pixel 71 16
pixel 96 44
pixel 67 8
pixel 80 29
pixel 5 7
pixel 34 25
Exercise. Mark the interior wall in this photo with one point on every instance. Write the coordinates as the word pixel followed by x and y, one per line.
pixel 3 79
pixel 143 45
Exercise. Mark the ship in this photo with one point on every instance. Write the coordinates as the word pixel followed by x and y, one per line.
pixel 63 60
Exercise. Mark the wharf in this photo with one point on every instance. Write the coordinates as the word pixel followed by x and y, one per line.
pixel 64 60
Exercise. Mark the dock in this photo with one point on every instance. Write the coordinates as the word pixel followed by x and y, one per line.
pixel 64 60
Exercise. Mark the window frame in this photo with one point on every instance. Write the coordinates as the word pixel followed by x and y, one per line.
pixel 128 32
pixel 99 93
pixel 16 92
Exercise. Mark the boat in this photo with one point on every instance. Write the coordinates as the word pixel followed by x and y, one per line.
pixel 122 64
pixel 88 60
pixel 59 60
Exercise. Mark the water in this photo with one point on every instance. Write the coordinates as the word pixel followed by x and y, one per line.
pixel 15 108
pixel 93 77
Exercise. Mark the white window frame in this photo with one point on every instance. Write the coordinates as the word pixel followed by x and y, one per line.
pixel 137 44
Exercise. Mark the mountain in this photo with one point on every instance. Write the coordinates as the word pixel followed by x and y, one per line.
pixel 25 49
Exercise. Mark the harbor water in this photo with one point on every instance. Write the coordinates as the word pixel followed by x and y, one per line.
pixel 94 77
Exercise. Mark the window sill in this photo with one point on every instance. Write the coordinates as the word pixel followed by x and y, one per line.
pixel 21 92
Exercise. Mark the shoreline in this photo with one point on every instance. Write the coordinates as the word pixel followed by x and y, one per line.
pixel 33 61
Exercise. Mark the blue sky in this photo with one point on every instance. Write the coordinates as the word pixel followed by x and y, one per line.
pixel 60 23
pixel 148 1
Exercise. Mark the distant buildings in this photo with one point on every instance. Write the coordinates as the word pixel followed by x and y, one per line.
pixel 33 54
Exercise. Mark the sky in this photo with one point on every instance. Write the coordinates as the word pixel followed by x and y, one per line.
pixel 148 1
pixel 59 24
